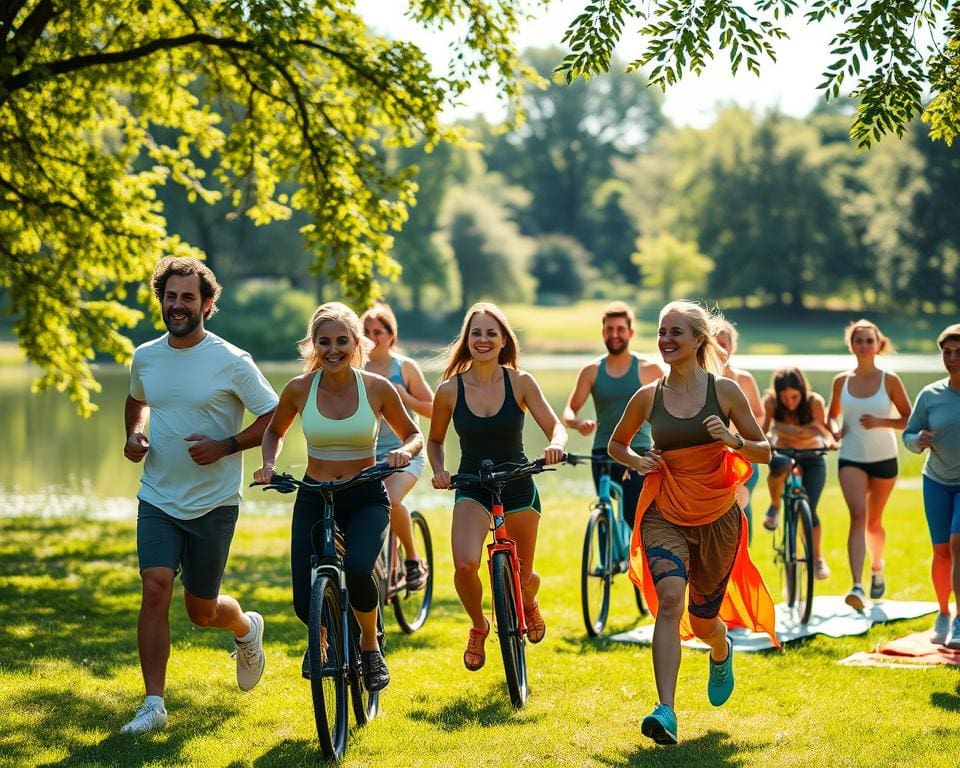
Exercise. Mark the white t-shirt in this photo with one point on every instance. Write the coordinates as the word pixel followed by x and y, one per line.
pixel 203 389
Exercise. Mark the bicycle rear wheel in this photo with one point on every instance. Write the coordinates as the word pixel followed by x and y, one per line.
pixel 512 645
pixel 366 703
pixel 328 682
pixel 595 570
pixel 412 608
pixel 800 560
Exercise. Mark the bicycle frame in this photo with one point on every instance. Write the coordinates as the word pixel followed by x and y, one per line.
pixel 503 543
pixel 610 492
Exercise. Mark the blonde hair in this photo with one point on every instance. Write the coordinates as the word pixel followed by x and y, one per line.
pixel 725 326
pixel 337 312
pixel 883 343
pixel 458 358
pixel 703 323
pixel 382 313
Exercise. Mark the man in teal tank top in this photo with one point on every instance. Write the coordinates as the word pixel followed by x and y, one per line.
pixel 611 380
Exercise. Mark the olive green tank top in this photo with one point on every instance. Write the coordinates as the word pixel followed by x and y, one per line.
pixel 670 432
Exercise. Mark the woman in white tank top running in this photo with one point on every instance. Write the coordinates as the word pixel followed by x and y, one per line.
pixel 873 403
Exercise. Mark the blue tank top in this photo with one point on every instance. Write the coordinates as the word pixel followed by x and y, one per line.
pixel 387 439
pixel 498 437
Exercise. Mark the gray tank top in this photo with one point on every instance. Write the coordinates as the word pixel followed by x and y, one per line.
pixel 670 432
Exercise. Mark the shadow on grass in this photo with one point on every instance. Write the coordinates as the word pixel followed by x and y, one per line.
pixel 286 753
pixel 494 708
pixel 61 714
pixel 947 701
pixel 714 749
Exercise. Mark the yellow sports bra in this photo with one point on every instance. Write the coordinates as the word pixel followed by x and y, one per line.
pixel 354 437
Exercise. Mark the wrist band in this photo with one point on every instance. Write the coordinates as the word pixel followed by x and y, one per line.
pixel 234 445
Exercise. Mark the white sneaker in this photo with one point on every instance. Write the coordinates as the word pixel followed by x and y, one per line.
pixel 941 629
pixel 146 720
pixel 250 658
pixel 953 642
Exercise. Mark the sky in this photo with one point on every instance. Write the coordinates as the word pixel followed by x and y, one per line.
pixel 789 84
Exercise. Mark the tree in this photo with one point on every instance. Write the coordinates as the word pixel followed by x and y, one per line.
pixel 904 49
pixel 312 98
pixel 561 267
pixel 669 263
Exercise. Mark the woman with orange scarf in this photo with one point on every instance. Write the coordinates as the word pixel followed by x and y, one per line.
pixel 689 529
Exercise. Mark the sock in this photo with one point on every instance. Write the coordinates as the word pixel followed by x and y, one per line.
pixel 251 635
pixel 154 702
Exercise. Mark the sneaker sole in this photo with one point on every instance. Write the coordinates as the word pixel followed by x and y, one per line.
pixel 263 658
pixel 953 645
pixel 654 729
pixel 855 602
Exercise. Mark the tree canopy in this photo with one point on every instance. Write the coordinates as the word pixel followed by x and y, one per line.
pixel 894 54
pixel 101 103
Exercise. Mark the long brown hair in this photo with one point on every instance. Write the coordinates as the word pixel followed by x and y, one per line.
pixel 382 313
pixel 458 358
pixel 791 378
pixel 332 310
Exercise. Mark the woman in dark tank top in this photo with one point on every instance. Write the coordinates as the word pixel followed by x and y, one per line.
pixel 688 527
pixel 485 395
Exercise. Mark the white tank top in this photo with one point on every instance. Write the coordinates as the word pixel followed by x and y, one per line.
pixel 867 445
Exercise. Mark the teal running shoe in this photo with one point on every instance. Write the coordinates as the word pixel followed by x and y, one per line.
pixel 720 684
pixel 660 725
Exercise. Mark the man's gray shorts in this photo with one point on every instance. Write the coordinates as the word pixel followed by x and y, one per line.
pixel 197 548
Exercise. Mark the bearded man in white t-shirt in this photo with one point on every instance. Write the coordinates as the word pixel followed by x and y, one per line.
pixel 193 388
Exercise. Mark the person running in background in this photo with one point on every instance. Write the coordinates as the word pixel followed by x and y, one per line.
pixel 873 404
pixel 727 338
pixel 689 529
pixel 193 388
pixel 340 407
pixel 380 327
pixel 611 381
pixel 934 426
pixel 795 417
pixel 485 394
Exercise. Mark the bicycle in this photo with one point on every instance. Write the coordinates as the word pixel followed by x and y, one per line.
pixel 606 548
pixel 795 552
pixel 333 636
pixel 410 607
pixel 504 565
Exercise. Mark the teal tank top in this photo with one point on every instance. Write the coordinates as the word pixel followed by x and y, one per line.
pixel 387 440
pixel 354 437
pixel 610 398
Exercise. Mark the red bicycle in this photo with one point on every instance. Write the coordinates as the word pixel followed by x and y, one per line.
pixel 505 572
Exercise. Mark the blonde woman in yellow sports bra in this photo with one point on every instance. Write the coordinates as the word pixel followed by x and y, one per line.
pixel 340 407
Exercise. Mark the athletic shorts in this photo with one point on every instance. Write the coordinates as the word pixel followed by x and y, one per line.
pixel 517 496
pixel 415 467
pixel 882 470
pixel 702 555
pixel 941 503
pixel 197 549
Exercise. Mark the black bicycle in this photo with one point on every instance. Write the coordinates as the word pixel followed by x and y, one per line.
pixel 505 572
pixel 333 639
pixel 795 551
pixel 411 607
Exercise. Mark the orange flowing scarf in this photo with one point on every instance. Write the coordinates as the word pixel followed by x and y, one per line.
pixel 697 487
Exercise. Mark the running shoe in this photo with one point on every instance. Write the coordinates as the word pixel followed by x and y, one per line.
pixel 855 598
pixel 250 658
pixel 770 519
pixel 720 684
pixel 878 585
pixel 660 725
pixel 416 574
pixel 821 570
pixel 953 642
pixel 941 629
pixel 146 720
pixel 376 676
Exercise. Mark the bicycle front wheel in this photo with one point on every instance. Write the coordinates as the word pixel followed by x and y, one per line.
pixel 508 628
pixel 412 608
pixel 328 681
pixel 800 560
pixel 595 570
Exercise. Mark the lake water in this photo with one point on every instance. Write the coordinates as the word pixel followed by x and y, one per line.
pixel 52 461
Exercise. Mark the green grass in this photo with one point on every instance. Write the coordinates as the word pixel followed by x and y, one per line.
pixel 576 328
pixel 69 676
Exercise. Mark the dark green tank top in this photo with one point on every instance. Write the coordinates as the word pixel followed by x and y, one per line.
pixel 670 432
pixel 610 398
pixel 498 437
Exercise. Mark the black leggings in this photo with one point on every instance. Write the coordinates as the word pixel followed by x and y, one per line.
pixel 362 514
pixel 632 486
pixel 813 471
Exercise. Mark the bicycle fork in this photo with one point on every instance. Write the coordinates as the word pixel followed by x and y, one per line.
pixel 501 543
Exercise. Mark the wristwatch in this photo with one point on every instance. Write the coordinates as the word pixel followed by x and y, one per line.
pixel 235 445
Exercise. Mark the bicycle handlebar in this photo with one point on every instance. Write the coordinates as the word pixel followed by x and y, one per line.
pixel 286 483
pixel 495 474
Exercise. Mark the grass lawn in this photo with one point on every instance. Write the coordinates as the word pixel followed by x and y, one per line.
pixel 69 676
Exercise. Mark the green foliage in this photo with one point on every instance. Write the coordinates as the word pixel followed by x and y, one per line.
pixel 673 266
pixel 904 49
pixel 277 92
pixel 561 267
